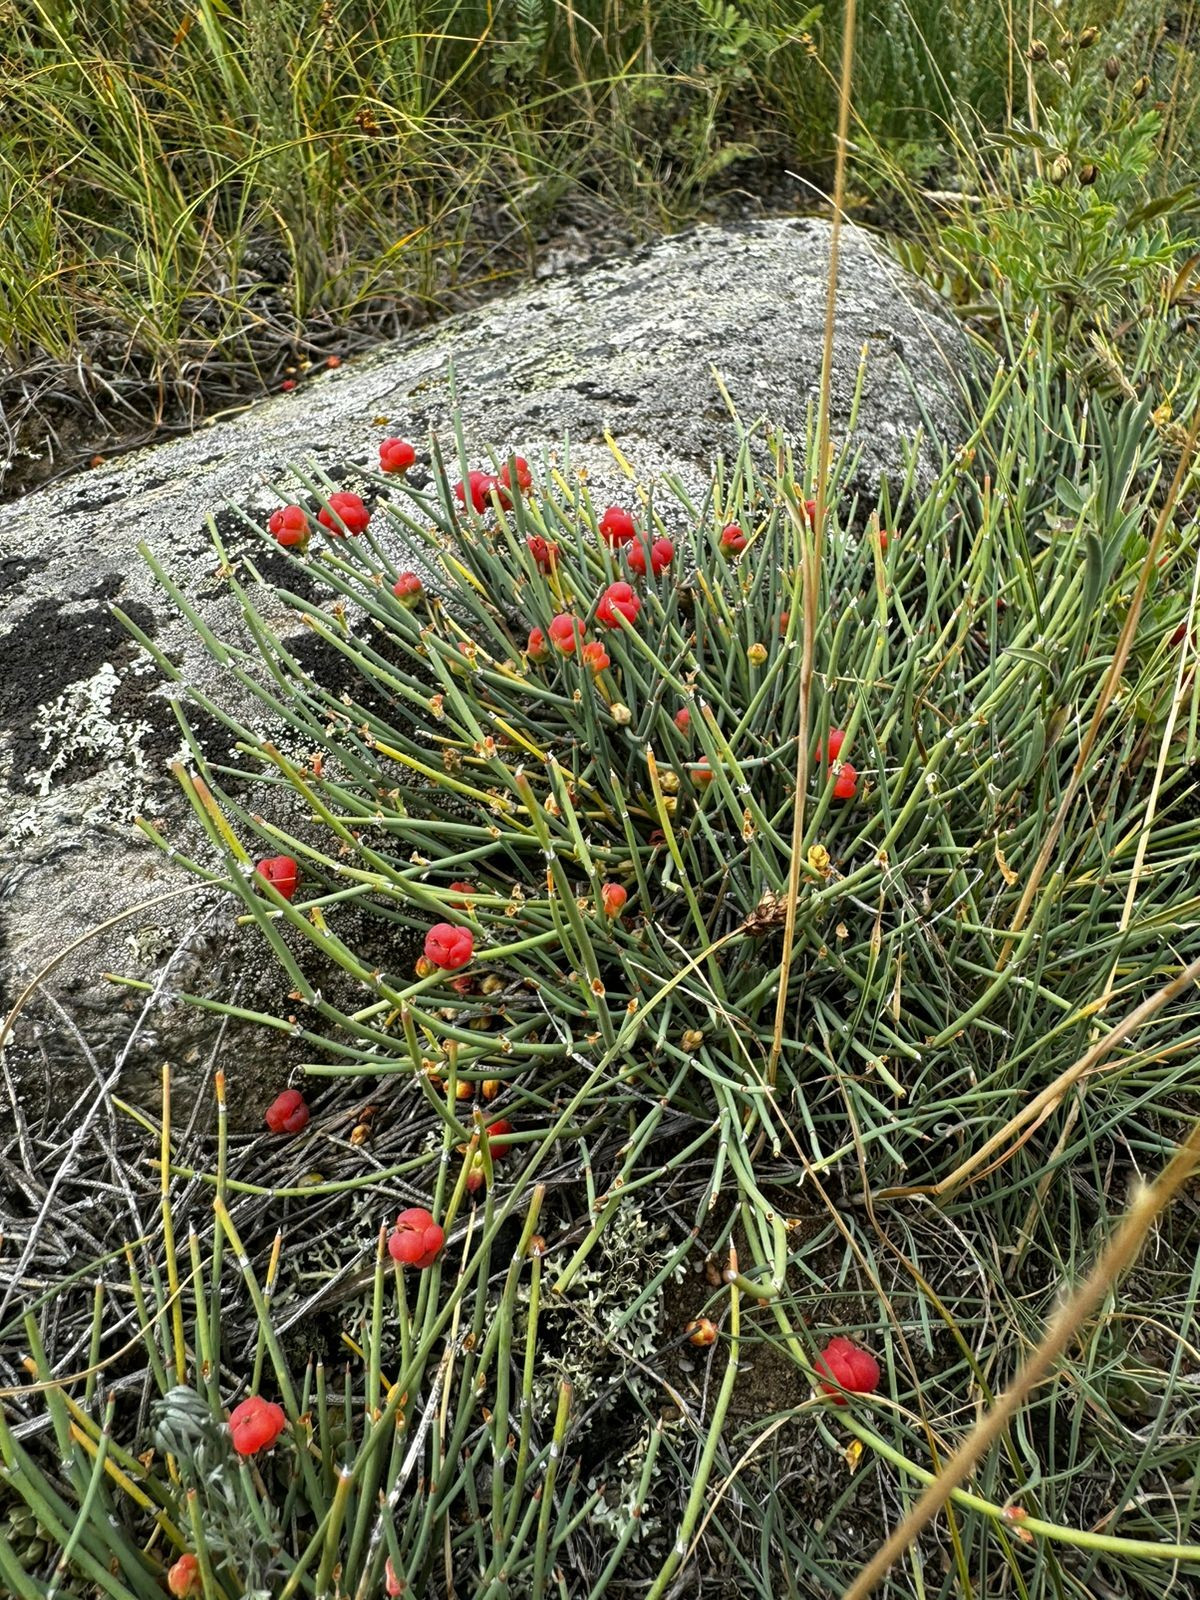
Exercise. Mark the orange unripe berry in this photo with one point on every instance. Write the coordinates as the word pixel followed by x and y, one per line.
pixel 613 896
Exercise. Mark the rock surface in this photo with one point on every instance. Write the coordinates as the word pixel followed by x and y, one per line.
pixel 86 730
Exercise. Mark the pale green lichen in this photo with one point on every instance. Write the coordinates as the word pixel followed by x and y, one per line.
pixel 81 725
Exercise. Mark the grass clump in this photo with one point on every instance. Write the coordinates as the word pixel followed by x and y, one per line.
pixel 203 206
pixel 199 208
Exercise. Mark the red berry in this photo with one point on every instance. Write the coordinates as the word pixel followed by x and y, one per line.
pixel 462 887
pixel 544 552
pixel 288 385
pixel 287 1113
pixel 613 897
pixel 396 455
pixel 683 720
pixel 449 947
pixel 883 540
pixel 480 486
pixel 537 649
pixel 344 508
pixel 495 1136
pixel 333 361
pixel 662 553
pixel 290 526
pixel 409 590
pixel 524 476
pixel 846 784
pixel 566 632
pixel 184 1579
pixel 810 511
pixel 702 773
pixel 850 1366
pixel 832 748
pixel 784 618
pixel 596 657
pixel 393 1585
pixel 733 541
pixel 417 1239
pixel 255 1425
pixel 281 872
pixel 617 526
pixel 618 598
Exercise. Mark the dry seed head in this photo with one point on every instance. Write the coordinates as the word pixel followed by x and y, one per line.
pixel 1060 170
pixel 1088 38
pixel 1088 173
pixel 692 1039
pixel 1140 87
pixel 1037 50
pixel 770 912
pixel 668 781
pixel 1112 69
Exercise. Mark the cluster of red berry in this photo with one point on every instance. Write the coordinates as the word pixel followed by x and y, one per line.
pixel 417 1240
pixel 481 486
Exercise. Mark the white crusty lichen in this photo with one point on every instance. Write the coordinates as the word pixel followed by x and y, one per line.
pixel 80 724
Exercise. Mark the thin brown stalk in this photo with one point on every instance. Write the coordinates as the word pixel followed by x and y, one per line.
pixel 1116 1258
pixel 812 541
